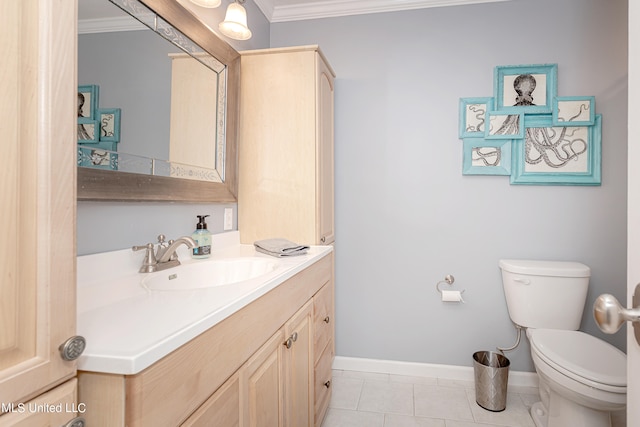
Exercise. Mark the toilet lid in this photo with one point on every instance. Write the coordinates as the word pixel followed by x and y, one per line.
pixel 581 354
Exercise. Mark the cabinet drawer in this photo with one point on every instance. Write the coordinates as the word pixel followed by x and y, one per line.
pixel 323 382
pixel 323 318
pixel 60 407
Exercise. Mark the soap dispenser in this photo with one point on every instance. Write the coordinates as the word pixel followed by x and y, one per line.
pixel 202 236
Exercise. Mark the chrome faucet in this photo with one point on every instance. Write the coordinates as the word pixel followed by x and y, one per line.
pixel 165 256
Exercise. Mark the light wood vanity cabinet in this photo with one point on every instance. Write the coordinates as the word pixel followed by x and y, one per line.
pixel 37 212
pixel 256 368
pixel 286 173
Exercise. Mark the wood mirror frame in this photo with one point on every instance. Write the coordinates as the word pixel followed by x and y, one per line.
pixel 97 184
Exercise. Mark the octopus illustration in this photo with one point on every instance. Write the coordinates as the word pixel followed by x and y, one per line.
pixel 555 146
pixel 524 85
pixel 83 134
pixel 487 156
pixel 479 110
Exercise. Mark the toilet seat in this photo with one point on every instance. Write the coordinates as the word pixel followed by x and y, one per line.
pixel 581 357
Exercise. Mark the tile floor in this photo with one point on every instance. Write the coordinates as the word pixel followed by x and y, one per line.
pixel 361 399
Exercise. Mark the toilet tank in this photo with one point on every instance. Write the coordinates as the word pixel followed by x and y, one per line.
pixel 545 294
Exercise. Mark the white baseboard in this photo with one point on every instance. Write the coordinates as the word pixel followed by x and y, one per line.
pixel 449 372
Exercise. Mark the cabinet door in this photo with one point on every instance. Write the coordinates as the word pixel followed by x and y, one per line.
pixel 261 393
pixel 325 150
pixel 38 106
pixel 220 410
pixel 298 362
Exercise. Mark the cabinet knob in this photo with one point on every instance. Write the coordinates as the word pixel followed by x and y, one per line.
pixel 293 338
pixel 76 422
pixel 327 384
pixel 327 319
pixel 323 239
pixel 72 348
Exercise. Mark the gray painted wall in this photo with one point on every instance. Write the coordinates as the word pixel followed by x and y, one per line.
pixel 405 214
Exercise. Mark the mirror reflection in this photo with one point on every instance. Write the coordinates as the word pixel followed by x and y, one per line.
pixel 150 102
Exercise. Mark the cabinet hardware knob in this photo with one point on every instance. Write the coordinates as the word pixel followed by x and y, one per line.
pixel 327 384
pixel 293 338
pixel 76 422
pixel 72 348
pixel 327 319
pixel 323 239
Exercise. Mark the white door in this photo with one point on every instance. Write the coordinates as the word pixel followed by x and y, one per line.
pixel 633 220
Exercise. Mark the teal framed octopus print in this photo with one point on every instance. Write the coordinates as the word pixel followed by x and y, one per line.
pixel 557 155
pixel 525 88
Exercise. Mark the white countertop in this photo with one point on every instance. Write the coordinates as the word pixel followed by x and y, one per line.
pixel 128 327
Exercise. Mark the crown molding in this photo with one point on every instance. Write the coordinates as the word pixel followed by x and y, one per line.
pixel 109 25
pixel 336 8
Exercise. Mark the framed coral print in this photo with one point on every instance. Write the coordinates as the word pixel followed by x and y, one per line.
pixel 88 101
pixel 88 131
pixel 574 110
pixel 525 88
pixel 504 125
pixel 557 155
pixel 109 124
pixel 486 157
pixel 473 116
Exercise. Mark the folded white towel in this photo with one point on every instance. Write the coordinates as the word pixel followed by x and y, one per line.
pixel 280 247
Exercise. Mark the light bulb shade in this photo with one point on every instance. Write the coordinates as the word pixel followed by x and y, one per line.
pixel 235 23
pixel 207 3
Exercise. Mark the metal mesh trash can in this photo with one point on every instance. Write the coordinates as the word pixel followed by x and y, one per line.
pixel 491 372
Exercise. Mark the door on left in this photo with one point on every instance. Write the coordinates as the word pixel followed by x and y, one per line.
pixel 38 93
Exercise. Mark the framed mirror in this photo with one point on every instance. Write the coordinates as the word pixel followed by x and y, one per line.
pixel 188 95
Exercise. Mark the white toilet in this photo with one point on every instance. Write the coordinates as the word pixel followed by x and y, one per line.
pixel 582 378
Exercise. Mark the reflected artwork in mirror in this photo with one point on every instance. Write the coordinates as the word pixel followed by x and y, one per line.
pixel 174 83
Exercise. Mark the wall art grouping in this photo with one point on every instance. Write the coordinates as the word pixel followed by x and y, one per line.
pixel 98 130
pixel 529 133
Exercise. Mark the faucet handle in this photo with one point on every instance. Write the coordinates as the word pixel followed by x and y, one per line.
pixel 174 255
pixel 150 262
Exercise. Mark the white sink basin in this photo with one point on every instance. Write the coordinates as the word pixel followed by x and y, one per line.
pixel 207 274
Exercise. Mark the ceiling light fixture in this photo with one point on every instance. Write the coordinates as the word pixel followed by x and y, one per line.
pixel 235 22
pixel 207 3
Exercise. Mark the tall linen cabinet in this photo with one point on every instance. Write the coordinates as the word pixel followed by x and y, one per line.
pixel 286 185
pixel 286 181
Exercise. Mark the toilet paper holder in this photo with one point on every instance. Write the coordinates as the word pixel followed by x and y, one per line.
pixel 448 279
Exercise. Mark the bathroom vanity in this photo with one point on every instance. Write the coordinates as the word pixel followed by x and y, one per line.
pixel 252 353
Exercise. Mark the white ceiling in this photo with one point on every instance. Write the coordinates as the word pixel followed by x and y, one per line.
pixel 296 10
